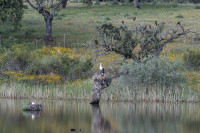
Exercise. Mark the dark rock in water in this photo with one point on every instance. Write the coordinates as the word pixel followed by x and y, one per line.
pixel 73 129
pixel 33 107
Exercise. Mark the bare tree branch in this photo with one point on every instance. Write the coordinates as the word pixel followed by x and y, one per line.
pixel 32 5
pixel 55 7
pixel 151 40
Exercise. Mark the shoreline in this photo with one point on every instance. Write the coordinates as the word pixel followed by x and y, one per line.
pixel 104 101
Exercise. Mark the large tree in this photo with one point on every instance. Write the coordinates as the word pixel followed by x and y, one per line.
pixel 11 11
pixel 139 44
pixel 39 5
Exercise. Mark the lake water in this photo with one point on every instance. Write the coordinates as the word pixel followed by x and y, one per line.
pixel 81 117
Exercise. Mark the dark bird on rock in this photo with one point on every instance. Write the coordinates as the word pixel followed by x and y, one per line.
pixel 134 18
pixel 178 23
pixel 122 22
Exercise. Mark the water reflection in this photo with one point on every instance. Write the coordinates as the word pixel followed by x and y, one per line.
pixel 99 123
pixel 62 116
pixel 32 114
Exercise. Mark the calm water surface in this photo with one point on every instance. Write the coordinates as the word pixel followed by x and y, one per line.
pixel 64 116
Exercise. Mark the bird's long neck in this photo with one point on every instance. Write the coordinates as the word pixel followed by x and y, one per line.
pixel 100 67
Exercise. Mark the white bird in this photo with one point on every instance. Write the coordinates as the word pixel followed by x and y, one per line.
pixel 101 69
pixel 33 103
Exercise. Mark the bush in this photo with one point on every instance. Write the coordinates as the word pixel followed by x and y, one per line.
pixel 16 58
pixel 197 7
pixel 155 71
pixel 179 16
pixel 192 59
pixel 87 2
pixel 97 3
pixel 43 62
pixel 115 2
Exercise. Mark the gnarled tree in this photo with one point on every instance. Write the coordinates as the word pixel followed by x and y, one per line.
pixel 48 17
pixel 140 43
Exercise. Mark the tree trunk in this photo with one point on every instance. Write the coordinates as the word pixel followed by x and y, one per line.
pixel 100 83
pixel 48 35
pixel 136 4
pixel 64 4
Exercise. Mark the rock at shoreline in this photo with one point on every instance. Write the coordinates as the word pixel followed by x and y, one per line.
pixel 33 107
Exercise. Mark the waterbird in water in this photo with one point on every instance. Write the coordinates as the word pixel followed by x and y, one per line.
pixel 101 69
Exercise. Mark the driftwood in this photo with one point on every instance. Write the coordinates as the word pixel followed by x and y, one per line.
pixel 100 83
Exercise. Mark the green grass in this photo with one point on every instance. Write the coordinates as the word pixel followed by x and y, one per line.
pixel 78 23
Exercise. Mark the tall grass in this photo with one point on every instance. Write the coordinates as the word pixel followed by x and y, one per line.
pixel 70 90
pixel 117 92
pixel 83 90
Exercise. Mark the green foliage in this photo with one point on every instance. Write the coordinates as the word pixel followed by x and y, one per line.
pixel 87 2
pixel 126 15
pixel 192 59
pixel 29 32
pixel 107 19
pixel 179 16
pixel 11 11
pixel 20 57
pixel 20 53
pixel 123 41
pixel 160 72
pixel 197 7
pixel 115 2
pixel 97 2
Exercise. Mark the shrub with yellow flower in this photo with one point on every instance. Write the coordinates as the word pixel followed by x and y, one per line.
pixel 49 78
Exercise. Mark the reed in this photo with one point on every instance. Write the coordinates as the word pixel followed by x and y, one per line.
pixel 81 90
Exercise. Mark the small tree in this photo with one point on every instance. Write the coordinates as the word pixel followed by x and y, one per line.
pixel 48 17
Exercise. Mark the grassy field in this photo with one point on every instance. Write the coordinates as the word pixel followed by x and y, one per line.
pixel 78 22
